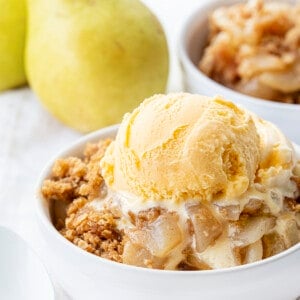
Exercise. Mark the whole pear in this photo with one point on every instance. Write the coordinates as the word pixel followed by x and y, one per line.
pixel 12 43
pixel 90 61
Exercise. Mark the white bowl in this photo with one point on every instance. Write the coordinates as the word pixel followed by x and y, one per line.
pixel 22 275
pixel 86 276
pixel 192 41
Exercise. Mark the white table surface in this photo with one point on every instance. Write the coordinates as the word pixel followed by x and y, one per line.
pixel 30 136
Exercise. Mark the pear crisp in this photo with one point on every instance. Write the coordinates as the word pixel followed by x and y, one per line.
pixel 254 48
pixel 85 212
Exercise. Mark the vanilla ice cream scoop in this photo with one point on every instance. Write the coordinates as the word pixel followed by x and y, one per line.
pixel 183 146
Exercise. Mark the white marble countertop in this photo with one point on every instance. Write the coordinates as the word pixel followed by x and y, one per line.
pixel 30 136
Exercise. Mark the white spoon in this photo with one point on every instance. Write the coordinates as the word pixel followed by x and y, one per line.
pixel 22 275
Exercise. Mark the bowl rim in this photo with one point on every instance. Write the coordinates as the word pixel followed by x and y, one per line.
pixel 197 73
pixel 70 247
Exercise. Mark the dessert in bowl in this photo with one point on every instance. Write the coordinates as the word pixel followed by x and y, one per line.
pixel 189 183
pixel 253 48
pixel 248 52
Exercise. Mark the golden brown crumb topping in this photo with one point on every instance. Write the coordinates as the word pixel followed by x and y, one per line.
pixel 73 177
pixel 75 182
pixel 94 231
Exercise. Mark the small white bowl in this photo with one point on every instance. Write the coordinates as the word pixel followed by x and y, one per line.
pixel 192 41
pixel 22 275
pixel 86 276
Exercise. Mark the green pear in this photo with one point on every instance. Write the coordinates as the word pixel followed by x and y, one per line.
pixel 12 43
pixel 90 61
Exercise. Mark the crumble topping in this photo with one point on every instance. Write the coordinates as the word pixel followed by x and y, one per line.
pixel 74 183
